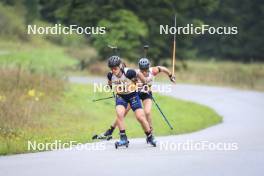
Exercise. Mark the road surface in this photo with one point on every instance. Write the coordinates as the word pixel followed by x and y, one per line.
pixel 242 129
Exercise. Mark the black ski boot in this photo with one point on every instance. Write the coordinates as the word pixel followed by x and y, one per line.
pixel 104 136
pixel 151 140
pixel 123 141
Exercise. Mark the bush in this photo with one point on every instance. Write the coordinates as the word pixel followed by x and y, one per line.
pixel 12 24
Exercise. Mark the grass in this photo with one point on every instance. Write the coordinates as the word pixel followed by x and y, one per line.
pixel 49 59
pixel 30 83
pixel 75 117
pixel 248 76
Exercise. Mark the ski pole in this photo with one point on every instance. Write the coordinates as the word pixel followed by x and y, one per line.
pixel 146 47
pixel 174 48
pixel 114 49
pixel 113 96
pixel 164 117
pixel 103 98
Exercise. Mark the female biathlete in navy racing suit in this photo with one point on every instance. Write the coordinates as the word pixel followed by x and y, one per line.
pixel 145 95
pixel 122 80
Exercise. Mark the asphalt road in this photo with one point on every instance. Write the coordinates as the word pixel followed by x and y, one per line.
pixel 234 147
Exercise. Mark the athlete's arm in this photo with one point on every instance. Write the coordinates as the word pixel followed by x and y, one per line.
pixel 142 78
pixel 156 70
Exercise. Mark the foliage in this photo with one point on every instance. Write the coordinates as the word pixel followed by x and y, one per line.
pixel 125 31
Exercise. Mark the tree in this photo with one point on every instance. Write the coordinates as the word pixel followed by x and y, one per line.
pixel 124 29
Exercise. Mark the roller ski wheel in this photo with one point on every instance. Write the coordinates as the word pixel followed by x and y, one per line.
pixel 121 143
pixel 102 137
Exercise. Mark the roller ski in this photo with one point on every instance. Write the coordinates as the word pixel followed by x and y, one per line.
pixel 106 135
pixel 151 140
pixel 102 137
pixel 123 142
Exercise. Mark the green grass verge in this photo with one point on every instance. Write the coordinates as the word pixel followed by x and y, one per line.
pixel 221 73
pixel 48 59
pixel 75 117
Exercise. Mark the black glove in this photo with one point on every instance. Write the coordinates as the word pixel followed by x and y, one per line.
pixel 172 78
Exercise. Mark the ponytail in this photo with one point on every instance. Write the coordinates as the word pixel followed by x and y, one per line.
pixel 123 65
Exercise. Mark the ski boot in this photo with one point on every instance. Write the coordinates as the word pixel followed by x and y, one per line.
pixel 104 136
pixel 151 140
pixel 123 142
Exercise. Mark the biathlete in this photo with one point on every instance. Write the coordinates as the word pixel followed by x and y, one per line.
pixel 145 93
pixel 123 80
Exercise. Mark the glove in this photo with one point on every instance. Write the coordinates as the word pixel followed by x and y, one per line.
pixel 149 80
pixel 172 78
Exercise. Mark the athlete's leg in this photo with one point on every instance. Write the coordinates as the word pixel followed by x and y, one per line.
pixel 136 106
pixel 140 115
pixel 114 125
pixel 120 113
pixel 108 133
pixel 147 103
